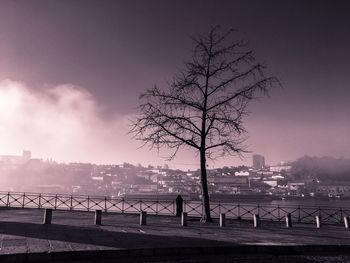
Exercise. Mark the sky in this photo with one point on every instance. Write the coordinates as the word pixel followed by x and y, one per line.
pixel 71 73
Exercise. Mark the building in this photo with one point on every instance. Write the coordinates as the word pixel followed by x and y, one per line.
pixel 16 159
pixel 228 184
pixel 258 161
pixel 233 180
pixel 296 188
pixel 280 168
pixel 334 189
pixel 271 182
pixel 242 173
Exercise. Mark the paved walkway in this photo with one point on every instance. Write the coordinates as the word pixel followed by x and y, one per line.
pixel 23 236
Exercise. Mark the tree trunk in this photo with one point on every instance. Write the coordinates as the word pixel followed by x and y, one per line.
pixel 205 195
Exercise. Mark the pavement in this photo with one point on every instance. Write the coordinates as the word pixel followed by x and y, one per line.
pixel 73 237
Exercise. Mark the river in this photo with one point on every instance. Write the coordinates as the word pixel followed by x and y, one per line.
pixel 336 203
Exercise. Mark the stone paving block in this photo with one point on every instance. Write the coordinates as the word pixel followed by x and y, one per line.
pixel 59 246
pixel 13 242
pixel 38 244
pixel 9 237
pixel 80 247
pixel 38 248
pixel 14 249
pixel 107 247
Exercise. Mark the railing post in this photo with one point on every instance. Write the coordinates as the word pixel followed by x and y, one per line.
pixel 341 214
pixel 239 212
pixel 39 206
pixel 88 204
pixel 202 206
pixel 123 203
pixel 278 212
pixel 318 221
pixel 8 199
pixel 299 218
pixel 289 220
pixel 23 199
pixel 256 220
pixel 346 221
pixel 71 202
pixel 222 220
pixel 55 201
pixel 47 216
pixel 98 217
pixel 179 205
pixel 183 219
pixel 143 220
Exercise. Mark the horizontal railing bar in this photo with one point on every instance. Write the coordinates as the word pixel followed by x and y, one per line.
pixel 167 206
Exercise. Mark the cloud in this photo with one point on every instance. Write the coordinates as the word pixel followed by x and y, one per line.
pixel 66 123
pixel 61 122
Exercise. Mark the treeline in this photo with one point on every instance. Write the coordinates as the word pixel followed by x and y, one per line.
pixel 322 168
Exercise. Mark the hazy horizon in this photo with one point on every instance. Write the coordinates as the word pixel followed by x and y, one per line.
pixel 71 74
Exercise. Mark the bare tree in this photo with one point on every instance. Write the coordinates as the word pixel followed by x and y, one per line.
pixel 203 107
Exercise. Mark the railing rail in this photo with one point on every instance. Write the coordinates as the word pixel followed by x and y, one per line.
pixel 302 214
pixel 87 203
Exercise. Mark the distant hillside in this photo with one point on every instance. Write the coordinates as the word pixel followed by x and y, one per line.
pixel 323 168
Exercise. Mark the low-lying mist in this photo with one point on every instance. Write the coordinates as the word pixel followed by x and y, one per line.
pixel 61 122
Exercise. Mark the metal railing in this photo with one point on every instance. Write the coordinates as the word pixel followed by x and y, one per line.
pixel 302 214
pixel 86 203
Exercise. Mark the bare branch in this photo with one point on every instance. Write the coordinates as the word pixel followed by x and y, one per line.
pixel 203 108
pixel 246 93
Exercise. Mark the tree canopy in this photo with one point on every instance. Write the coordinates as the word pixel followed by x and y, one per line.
pixel 203 106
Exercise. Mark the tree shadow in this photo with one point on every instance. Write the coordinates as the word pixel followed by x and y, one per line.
pixel 100 237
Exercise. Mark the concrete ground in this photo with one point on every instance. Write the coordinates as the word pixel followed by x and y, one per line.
pixel 72 236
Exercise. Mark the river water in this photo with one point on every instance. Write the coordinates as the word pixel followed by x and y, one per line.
pixel 336 203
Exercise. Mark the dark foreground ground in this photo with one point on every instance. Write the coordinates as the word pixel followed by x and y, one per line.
pixel 72 237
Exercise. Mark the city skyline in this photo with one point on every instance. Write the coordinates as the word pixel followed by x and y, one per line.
pixel 71 74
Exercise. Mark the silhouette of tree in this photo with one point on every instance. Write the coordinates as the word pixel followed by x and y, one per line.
pixel 203 107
